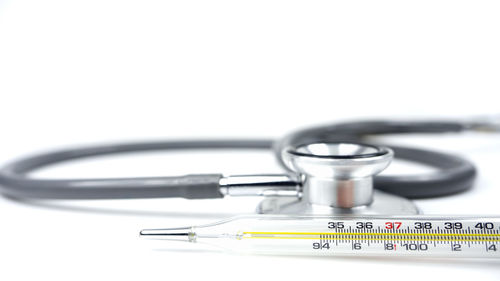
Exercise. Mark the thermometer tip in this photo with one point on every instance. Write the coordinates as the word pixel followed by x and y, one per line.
pixel 179 234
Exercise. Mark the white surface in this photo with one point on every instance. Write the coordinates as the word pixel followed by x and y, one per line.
pixel 74 72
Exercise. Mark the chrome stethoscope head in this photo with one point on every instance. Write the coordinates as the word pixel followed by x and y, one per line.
pixel 337 174
pixel 337 178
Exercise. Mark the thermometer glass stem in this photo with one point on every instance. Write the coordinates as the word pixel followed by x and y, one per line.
pixel 337 235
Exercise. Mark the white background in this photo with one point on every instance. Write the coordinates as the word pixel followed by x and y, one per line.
pixel 81 72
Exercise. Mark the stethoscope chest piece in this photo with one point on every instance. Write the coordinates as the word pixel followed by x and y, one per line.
pixel 337 179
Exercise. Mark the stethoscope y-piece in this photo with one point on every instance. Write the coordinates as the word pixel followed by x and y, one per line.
pixel 329 169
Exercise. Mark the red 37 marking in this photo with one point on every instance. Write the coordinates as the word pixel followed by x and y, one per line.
pixel 392 225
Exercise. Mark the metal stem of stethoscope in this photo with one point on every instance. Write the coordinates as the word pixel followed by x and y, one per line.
pixel 331 178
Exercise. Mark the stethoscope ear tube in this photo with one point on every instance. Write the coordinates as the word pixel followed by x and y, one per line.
pixel 454 174
pixel 196 186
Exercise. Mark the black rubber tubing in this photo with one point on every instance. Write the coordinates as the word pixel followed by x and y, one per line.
pixel 455 173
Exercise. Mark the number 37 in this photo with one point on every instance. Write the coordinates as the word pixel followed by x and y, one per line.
pixel 393 225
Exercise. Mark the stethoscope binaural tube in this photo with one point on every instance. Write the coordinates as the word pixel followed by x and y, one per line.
pixel 455 173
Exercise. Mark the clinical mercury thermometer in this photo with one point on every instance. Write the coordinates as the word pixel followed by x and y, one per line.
pixel 336 235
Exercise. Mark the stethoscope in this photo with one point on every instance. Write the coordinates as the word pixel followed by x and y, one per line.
pixel 330 169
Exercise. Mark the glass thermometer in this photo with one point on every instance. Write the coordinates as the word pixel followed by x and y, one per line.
pixel 429 236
